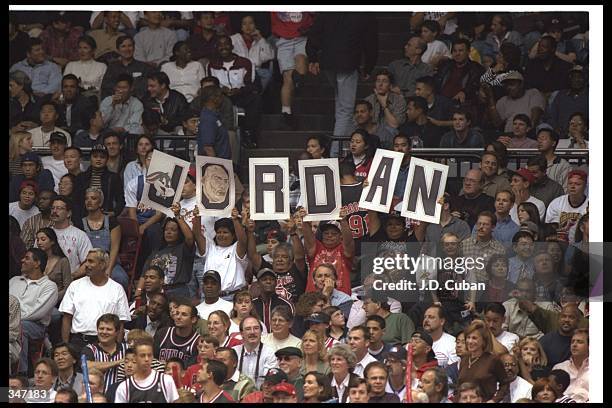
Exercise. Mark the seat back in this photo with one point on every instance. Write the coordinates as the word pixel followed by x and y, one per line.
pixel 129 249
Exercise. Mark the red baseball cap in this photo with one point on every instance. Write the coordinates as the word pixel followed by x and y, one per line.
pixel 192 172
pixel 526 174
pixel 284 387
pixel 579 173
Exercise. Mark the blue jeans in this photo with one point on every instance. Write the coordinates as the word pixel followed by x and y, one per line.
pixel 195 285
pixel 30 330
pixel 265 76
pixel 345 86
pixel 119 275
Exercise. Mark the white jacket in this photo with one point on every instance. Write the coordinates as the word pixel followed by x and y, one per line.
pixel 260 52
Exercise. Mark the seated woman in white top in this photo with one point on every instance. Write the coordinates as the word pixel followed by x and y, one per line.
pixel 144 145
pixel 185 75
pixel 249 43
pixel 436 50
pixel 89 71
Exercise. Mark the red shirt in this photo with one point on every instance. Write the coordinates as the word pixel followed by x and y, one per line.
pixel 362 169
pixel 336 257
pixel 190 378
pixel 255 397
pixel 288 24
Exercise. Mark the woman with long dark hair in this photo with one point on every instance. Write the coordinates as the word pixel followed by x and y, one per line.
pixel 58 266
pixel 362 146
pixel 144 145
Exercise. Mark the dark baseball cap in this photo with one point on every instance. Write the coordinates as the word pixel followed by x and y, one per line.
pixel 318 318
pixel 265 271
pixel 99 148
pixel 398 352
pixel 423 335
pixel 212 274
pixel 58 137
pixel 31 156
pixel 289 351
pixel 275 376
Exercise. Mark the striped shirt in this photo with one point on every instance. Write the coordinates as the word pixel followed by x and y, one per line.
pixel 93 352
pixel 96 178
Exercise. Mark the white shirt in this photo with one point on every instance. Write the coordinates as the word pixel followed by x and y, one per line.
pixel 401 393
pixel 132 171
pixel 276 345
pixel 508 340
pixel 560 211
pixel 444 348
pixel 170 391
pixel 538 203
pixel 204 309
pixel 56 167
pixel 360 366
pixel 36 297
pixel 579 379
pixel 340 388
pixel 225 260
pixel 185 80
pixel 86 302
pixel 89 72
pixel 22 215
pixel 75 243
pixel 267 360
pixel 41 138
pixel 207 221
pixel 357 316
pixel 520 388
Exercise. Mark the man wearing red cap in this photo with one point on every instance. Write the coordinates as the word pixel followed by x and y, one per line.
pixel 284 393
pixel 565 211
pixel 520 182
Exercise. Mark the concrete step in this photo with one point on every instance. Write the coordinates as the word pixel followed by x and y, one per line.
pixel 243 169
pixel 395 24
pixel 326 90
pixel 308 106
pixel 323 122
pixel 284 139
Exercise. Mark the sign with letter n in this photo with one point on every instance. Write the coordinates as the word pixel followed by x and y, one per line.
pixel 425 185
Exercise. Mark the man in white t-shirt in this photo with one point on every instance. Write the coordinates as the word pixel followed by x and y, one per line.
pixel 443 343
pixel 565 211
pixel 520 182
pixel 73 241
pixel 495 316
pixel 55 162
pixel 25 208
pixel 90 297
pixel 211 285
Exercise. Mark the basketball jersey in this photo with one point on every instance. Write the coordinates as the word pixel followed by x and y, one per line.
pixel 156 393
pixel 170 347
pixel 220 398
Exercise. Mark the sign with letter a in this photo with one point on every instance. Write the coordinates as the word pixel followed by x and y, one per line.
pixel 378 194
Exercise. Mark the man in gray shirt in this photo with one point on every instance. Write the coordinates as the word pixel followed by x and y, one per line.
pixel 37 296
pixel 154 43
pixel 408 69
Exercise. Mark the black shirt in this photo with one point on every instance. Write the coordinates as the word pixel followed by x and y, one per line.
pixel 289 285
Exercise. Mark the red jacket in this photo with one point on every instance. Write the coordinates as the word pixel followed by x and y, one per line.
pixel 290 24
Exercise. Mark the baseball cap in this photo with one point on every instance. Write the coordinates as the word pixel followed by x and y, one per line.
pixel 58 137
pixel 579 173
pixel 275 376
pixel 289 351
pixel 212 274
pixel 318 318
pixel 31 156
pixel 99 148
pixel 526 174
pixel 577 68
pixel 276 234
pixel 329 224
pixel 513 75
pixel 397 352
pixel 423 335
pixel 265 271
pixel 285 388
